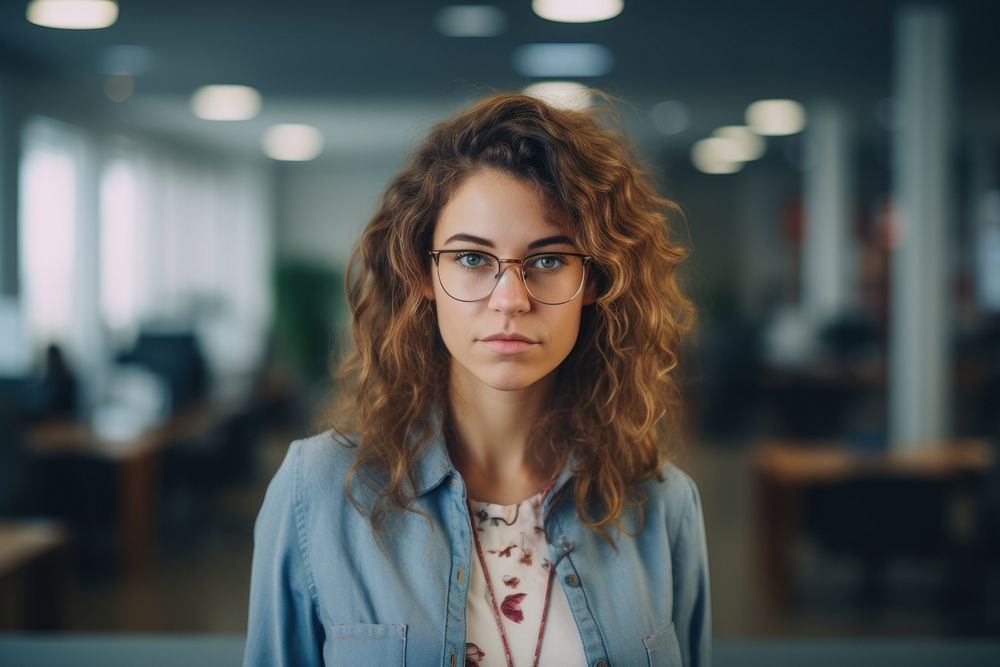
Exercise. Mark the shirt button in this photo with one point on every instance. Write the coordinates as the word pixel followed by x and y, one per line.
pixel 573 580
pixel 601 663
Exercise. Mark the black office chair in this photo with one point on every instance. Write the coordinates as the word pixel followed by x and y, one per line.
pixel 14 467
pixel 177 358
pixel 980 561
pixel 22 401
pixel 878 519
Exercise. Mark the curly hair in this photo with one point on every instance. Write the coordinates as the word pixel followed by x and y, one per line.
pixel 617 401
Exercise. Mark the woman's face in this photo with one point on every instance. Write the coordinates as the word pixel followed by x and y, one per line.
pixel 494 212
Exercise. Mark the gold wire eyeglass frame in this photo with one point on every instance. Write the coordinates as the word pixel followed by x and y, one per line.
pixel 436 254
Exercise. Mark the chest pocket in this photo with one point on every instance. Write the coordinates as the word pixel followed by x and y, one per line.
pixel 663 649
pixel 366 644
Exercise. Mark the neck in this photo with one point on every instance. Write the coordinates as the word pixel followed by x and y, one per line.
pixel 490 437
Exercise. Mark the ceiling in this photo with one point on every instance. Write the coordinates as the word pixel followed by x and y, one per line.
pixel 356 69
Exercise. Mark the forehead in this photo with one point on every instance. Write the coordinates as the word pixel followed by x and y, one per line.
pixel 497 206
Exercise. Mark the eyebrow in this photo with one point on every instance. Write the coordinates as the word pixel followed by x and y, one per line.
pixel 478 240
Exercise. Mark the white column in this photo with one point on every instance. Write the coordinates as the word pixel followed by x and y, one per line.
pixel 764 259
pixel 828 253
pixel 920 317
pixel 90 335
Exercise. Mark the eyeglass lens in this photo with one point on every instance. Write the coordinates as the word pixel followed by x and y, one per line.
pixel 550 278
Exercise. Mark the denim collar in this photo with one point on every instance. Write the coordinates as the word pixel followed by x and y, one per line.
pixel 434 465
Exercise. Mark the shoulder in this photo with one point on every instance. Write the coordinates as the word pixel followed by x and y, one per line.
pixel 322 459
pixel 674 487
pixel 674 498
pixel 314 470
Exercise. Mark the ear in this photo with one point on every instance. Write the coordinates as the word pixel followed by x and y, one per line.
pixel 427 288
pixel 590 292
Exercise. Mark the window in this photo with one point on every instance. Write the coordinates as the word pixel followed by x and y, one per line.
pixel 48 228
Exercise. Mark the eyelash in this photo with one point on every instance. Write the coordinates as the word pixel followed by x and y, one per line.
pixel 460 256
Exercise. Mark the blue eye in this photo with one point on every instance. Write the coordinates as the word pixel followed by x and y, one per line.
pixel 548 262
pixel 471 260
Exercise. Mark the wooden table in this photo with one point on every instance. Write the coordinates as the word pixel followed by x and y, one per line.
pixel 137 460
pixel 33 575
pixel 783 470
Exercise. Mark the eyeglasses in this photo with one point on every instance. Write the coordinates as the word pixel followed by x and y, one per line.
pixel 551 278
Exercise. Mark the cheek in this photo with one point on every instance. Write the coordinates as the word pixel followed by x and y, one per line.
pixel 560 325
pixel 452 318
pixel 568 330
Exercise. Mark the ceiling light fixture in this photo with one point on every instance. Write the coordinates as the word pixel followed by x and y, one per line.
pixel 225 102
pixel 119 87
pixel 291 142
pixel 562 94
pixel 776 117
pixel 751 146
pixel 577 11
pixel 716 155
pixel 470 21
pixel 563 60
pixel 671 117
pixel 73 14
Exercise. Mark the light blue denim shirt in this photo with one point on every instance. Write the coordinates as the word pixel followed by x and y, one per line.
pixel 323 591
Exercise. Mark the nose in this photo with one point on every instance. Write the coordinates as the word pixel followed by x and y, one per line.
pixel 510 294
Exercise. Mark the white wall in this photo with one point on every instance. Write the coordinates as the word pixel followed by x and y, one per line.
pixel 322 208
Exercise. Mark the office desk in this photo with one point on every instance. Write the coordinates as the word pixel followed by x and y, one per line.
pixel 33 575
pixel 783 470
pixel 136 460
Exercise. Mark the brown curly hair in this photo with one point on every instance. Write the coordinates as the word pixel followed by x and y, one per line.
pixel 617 402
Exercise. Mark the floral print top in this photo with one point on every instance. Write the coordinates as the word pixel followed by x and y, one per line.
pixel 516 553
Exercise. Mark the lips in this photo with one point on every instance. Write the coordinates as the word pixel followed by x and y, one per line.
pixel 508 343
pixel 510 336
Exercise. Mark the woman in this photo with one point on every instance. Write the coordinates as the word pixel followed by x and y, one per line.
pixel 507 500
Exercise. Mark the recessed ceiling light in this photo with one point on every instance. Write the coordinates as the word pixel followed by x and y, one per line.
pixel 716 155
pixel 225 102
pixel 73 14
pixel 671 117
pixel 751 146
pixel 562 94
pixel 557 60
pixel 470 21
pixel 292 142
pixel 126 59
pixel 119 87
pixel 577 11
pixel 776 117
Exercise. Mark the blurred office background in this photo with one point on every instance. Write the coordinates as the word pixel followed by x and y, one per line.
pixel 172 257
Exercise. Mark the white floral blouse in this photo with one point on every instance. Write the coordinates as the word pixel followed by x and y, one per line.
pixel 514 547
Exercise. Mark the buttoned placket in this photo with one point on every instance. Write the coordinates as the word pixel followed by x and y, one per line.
pixel 559 551
pixel 572 584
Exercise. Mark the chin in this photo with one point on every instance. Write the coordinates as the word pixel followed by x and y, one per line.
pixel 510 385
pixel 510 378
